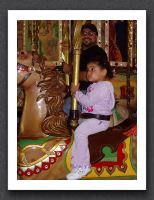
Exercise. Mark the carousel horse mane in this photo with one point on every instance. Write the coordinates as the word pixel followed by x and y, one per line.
pixel 53 90
pixel 49 86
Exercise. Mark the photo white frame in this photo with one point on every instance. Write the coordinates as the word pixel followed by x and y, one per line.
pixel 140 183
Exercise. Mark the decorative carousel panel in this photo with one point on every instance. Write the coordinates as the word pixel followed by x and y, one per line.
pixel 43 36
pixel 50 37
pixel 120 89
pixel 115 165
pixel 24 35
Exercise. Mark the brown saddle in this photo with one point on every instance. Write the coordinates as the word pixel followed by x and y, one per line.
pixel 111 137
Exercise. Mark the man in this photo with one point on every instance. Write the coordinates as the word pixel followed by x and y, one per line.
pixel 89 50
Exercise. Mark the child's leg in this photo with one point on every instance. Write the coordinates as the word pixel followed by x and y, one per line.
pixel 80 151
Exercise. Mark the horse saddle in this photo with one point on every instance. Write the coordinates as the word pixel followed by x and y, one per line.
pixel 112 137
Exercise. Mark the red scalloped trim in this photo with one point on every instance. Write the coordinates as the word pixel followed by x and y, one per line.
pixel 45 165
pixel 120 157
pixel 111 165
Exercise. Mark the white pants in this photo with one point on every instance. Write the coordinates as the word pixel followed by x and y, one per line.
pixel 80 150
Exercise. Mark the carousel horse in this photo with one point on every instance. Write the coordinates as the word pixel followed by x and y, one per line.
pixel 42 117
pixel 44 98
pixel 44 141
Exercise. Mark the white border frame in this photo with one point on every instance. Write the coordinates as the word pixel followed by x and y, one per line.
pixel 13 183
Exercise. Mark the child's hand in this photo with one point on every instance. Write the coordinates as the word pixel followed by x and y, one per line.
pixel 74 88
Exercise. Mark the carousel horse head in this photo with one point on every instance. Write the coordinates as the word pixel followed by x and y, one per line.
pixel 44 90
pixel 29 67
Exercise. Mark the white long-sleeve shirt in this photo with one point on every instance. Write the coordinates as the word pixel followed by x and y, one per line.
pixel 99 98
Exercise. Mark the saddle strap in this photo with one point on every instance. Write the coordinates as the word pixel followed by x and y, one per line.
pixel 96 116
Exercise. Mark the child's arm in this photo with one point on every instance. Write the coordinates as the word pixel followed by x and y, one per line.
pixel 93 97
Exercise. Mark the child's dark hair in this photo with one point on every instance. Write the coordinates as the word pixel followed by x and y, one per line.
pixel 104 64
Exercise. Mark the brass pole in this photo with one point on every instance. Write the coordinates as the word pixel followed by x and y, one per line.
pixel 35 38
pixel 33 34
pixel 130 58
pixel 66 47
pixel 74 115
pixel 135 43
pixel 130 42
pixel 24 35
pixel 76 74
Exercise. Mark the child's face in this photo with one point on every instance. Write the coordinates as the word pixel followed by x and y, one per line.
pixel 95 73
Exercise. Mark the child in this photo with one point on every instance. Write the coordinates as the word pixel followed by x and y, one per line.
pixel 97 105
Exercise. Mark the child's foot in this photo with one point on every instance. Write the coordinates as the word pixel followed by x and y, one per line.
pixel 78 173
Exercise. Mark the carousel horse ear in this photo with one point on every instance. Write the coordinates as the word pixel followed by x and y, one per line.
pixel 23 52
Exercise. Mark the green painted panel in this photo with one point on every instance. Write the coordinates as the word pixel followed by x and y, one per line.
pixel 109 156
pixel 24 142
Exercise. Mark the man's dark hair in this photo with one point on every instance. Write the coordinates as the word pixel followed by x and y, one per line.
pixel 90 26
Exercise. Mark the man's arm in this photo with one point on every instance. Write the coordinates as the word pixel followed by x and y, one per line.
pixel 68 68
pixel 83 76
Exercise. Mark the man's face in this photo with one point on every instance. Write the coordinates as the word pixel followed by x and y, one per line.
pixel 88 37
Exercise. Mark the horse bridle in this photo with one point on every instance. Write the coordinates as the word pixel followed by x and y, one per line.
pixel 21 67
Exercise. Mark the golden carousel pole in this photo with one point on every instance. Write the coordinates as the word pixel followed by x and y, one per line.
pixel 74 114
pixel 68 61
pixel 35 38
pixel 24 34
pixel 135 43
pixel 130 58
pixel 66 47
